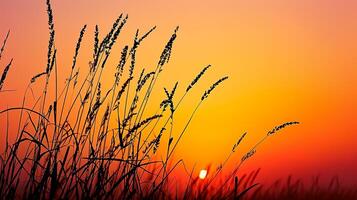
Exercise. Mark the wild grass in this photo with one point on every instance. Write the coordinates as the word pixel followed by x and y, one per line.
pixel 7 67
pixel 90 142
pixel 297 189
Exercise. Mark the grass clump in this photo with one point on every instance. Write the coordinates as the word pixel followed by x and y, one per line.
pixel 90 142
pixel 55 157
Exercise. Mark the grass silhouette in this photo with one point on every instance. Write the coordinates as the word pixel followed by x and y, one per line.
pixel 54 157
pixel 298 189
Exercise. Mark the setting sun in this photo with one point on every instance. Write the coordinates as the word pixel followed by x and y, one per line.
pixel 203 174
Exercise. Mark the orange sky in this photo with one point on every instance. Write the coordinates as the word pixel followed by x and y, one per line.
pixel 287 61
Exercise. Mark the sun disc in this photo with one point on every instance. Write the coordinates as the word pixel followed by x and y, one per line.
pixel 203 174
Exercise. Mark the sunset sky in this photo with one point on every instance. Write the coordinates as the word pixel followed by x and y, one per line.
pixel 286 61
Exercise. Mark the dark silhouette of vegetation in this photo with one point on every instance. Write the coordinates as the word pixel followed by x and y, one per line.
pixel 298 190
pixel 90 142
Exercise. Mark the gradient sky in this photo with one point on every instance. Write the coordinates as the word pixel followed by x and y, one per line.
pixel 287 61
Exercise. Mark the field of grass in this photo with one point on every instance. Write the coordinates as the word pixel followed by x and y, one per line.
pixel 297 189
pixel 81 140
